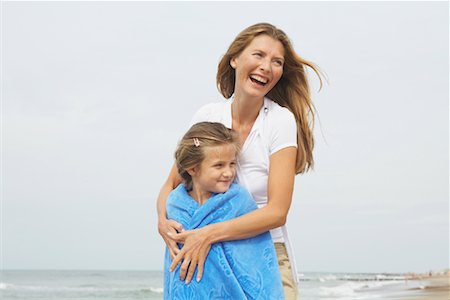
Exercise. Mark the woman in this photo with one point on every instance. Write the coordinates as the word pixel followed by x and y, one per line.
pixel 273 114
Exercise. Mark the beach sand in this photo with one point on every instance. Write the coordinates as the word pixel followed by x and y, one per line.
pixel 436 287
pixel 416 287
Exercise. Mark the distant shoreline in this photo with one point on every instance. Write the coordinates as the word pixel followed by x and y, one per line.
pixel 436 287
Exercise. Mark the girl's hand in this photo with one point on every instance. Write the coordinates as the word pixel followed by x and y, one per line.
pixel 166 227
pixel 194 252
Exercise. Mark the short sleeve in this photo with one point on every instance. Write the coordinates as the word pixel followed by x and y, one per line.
pixel 200 115
pixel 283 132
pixel 206 113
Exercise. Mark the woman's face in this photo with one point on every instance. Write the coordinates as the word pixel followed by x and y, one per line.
pixel 258 67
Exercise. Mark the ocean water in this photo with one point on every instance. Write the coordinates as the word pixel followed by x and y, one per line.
pixel 80 285
pixel 148 285
pixel 354 286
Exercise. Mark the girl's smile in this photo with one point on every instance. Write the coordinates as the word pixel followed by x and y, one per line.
pixel 215 173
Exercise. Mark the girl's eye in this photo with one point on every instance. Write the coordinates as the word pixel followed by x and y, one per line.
pixel 218 165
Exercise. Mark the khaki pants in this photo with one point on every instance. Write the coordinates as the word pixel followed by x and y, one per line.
pixel 289 285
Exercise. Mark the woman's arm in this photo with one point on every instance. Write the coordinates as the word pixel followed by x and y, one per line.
pixel 164 225
pixel 280 188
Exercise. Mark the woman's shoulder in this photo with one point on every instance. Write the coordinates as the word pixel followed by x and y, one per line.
pixel 213 106
pixel 278 111
pixel 210 112
pixel 279 116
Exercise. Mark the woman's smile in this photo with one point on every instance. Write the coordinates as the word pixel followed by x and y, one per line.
pixel 259 80
pixel 258 67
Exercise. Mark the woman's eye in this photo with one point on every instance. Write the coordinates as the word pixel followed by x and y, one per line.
pixel 257 54
pixel 279 63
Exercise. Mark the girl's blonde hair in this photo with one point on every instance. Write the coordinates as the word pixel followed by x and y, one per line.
pixel 190 151
pixel 291 91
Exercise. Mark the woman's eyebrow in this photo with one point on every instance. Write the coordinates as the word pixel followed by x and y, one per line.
pixel 263 52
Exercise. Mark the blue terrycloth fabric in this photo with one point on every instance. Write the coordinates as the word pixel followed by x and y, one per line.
pixel 241 269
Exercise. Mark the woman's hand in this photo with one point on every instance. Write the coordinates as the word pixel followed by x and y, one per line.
pixel 166 228
pixel 194 252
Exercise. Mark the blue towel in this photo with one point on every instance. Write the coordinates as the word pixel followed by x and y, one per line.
pixel 241 269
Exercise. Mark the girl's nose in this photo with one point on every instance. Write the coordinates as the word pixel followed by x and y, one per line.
pixel 227 173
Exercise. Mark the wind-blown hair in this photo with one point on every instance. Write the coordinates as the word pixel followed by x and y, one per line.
pixel 190 150
pixel 291 91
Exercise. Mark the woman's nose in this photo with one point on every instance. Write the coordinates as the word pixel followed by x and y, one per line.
pixel 265 65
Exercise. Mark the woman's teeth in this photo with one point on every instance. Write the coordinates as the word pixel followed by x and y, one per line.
pixel 258 79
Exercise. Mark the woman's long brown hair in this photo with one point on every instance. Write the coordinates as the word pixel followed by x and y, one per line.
pixel 292 90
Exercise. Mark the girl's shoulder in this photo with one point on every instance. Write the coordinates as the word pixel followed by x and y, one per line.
pixel 241 195
pixel 178 192
pixel 237 189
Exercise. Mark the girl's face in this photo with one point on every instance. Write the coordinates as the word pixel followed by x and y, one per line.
pixel 217 171
pixel 259 67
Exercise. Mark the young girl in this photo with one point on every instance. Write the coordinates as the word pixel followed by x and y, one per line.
pixel 244 269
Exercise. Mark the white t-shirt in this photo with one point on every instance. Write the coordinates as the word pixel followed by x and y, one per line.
pixel 274 129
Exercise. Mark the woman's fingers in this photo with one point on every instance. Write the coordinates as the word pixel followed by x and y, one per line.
pixel 173 248
pixel 191 270
pixel 175 225
pixel 184 267
pixel 172 254
pixel 165 226
pixel 201 262
pixel 176 261
pixel 169 228
pixel 176 250
pixel 193 254
pixel 178 237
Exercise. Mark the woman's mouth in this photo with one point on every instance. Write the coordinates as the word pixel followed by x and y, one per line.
pixel 261 81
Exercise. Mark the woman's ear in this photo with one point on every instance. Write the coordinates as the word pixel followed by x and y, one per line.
pixel 233 63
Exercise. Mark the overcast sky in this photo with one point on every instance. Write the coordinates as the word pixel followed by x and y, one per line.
pixel 96 96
